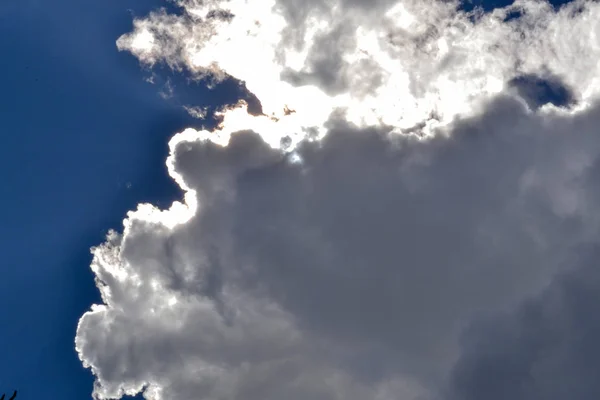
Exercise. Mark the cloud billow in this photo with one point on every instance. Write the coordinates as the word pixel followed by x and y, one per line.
pixel 360 261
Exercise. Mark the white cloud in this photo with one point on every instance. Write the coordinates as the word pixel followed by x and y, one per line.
pixel 347 267
pixel 394 63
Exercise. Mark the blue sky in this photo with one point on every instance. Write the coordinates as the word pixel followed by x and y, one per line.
pixel 79 124
pixel 83 140
pixel 489 5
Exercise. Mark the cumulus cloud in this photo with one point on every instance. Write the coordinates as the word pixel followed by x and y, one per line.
pixel 403 221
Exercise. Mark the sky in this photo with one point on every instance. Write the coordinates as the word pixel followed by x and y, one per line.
pixel 84 138
pixel 403 207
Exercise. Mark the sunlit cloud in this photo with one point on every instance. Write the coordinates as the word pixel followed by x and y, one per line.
pixel 406 65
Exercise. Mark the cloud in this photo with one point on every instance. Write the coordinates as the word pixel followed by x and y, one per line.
pixel 383 229
pixel 363 261
pixel 403 64
pixel 545 349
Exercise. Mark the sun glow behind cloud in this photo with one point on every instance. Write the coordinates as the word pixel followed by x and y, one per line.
pixel 410 65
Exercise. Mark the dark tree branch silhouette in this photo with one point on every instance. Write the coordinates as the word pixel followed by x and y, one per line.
pixel 11 397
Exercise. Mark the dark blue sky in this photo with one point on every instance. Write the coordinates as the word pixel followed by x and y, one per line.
pixel 78 122
pixel 489 5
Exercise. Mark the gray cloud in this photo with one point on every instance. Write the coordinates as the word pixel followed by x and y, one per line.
pixel 395 244
pixel 351 273
pixel 546 349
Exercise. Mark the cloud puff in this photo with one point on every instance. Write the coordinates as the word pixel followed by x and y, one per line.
pixel 383 230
